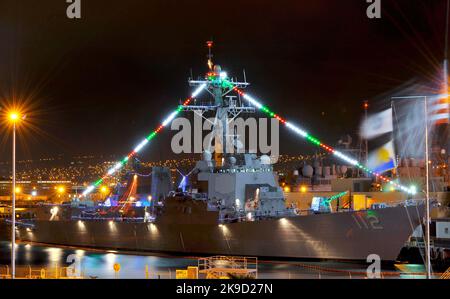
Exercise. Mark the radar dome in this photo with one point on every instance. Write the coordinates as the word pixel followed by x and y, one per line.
pixel 307 171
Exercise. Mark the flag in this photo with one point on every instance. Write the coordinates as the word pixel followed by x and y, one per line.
pixel 439 110
pixel 377 124
pixel 383 158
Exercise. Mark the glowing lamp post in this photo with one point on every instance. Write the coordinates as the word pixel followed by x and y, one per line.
pixel 14 118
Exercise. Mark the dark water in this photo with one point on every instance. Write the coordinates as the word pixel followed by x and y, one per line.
pixel 100 264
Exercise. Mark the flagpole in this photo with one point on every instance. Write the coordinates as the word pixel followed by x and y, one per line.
pixel 427 185
pixel 446 37
pixel 366 106
pixel 445 73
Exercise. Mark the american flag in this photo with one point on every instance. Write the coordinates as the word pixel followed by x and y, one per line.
pixel 439 110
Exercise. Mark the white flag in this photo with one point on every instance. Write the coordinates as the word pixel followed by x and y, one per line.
pixel 377 124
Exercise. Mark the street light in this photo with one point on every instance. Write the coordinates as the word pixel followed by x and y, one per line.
pixel 14 117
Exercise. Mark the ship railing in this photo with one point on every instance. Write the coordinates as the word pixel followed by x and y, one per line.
pixel 52 272
pixel 116 219
pixel 391 204
pixel 258 216
pixel 419 244
pixel 21 223
pixel 298 212
pixel 4 272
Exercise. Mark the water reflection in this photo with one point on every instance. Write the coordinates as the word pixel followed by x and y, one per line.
pixel 54 254
pixel 95 264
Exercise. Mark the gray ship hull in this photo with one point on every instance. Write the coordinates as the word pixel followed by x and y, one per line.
pixel 346 235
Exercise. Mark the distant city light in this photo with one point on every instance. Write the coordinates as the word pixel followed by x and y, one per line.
pixel 61 189
pixel 104 189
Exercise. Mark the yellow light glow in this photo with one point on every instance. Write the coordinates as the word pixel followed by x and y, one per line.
pixel 287 189
pixel 104 189
pixel 303 189
pixel 61 189
pixel 18 190
pixel 13 116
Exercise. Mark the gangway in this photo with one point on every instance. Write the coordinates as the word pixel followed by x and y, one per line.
pixel 217 267
pixel 446 274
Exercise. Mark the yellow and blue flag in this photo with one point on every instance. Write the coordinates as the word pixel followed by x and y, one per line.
pixel 383 158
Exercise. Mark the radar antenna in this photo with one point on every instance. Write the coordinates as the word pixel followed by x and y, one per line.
pixel 209 44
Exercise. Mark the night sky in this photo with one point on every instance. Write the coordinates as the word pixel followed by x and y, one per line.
pixel 100 84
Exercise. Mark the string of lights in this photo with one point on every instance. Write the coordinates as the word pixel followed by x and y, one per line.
pixel 302 133
pixel 145 141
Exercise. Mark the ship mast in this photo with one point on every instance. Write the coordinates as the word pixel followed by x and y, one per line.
pixel 225 106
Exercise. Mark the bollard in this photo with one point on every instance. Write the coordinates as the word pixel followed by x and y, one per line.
pixel 116 270
pixel 147 274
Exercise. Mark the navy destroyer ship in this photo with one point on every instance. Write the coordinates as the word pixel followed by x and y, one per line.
pixel 238 208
